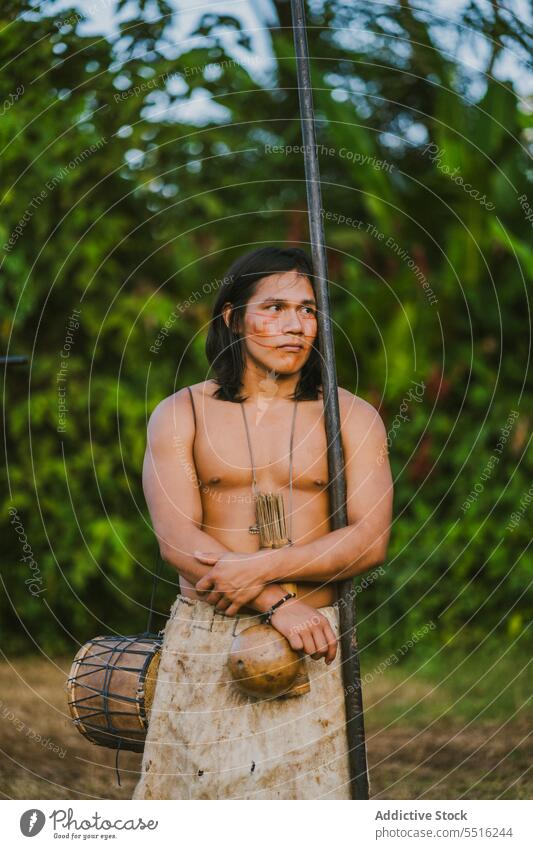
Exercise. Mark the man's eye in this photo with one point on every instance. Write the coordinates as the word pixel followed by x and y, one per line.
pixel 276 306
pixel 310 311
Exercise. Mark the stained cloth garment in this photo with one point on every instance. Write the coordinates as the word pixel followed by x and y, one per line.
pixel 208 740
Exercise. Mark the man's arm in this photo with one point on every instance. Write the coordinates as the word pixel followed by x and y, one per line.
pixel 363 542
pixel 172 493
pixel 339 554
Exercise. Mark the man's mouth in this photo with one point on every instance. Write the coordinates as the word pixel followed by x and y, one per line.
pixel 291 346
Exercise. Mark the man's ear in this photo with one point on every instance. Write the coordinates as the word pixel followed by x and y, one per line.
pixel 227 312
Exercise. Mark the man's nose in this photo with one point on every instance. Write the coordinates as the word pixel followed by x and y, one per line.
pixel 292 323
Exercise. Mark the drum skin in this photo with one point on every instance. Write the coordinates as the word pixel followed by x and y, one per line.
pixel 110 689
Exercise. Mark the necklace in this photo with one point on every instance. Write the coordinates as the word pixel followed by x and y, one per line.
pixel 270 525
pixel 269 507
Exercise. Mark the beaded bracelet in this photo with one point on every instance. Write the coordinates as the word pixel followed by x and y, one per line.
pixel 268 615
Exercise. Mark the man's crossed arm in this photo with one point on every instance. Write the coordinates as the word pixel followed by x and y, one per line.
pixel 171 490
pixel 337 555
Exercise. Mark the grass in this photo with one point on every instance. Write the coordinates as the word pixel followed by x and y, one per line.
pixel 487 683
pixel 450 724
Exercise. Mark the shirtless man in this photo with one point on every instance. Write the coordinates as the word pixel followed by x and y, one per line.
pixel 197 476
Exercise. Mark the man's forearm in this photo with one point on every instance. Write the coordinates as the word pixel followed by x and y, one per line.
pixel 182 557
pixel 192 570
pixel 335 556
pixel 266 598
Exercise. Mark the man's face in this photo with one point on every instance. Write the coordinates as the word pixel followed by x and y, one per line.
pixel 279 324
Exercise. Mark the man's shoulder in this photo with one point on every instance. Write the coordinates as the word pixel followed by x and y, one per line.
pixel 175 412
pixel 204 388
pixel 359 415
pixel 181 398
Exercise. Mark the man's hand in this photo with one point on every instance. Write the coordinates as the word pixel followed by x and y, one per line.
pixel 234 580
pixel 306 628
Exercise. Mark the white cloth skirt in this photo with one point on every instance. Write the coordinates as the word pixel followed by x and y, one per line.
pixel 208 740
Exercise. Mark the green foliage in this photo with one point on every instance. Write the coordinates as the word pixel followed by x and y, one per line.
pixel 143 205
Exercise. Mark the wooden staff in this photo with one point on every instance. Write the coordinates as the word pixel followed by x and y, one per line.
pixel 351 674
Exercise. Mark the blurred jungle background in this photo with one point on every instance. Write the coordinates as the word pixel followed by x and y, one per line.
pixel 145 145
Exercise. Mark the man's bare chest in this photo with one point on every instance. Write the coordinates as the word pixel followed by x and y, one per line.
pixel 222 453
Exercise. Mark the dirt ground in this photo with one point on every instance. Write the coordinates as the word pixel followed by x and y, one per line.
pixel 422 757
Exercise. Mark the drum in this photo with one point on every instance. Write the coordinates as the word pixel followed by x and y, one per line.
pixel 111 687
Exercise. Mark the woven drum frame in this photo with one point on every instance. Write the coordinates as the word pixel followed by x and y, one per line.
pixel 110 689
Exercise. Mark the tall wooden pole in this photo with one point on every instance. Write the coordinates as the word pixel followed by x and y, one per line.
pixel 351 674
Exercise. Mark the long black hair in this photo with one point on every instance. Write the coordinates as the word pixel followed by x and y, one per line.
pixel 224 345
